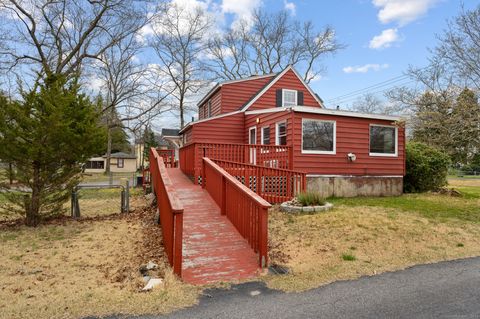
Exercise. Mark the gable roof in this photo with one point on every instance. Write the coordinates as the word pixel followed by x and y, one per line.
pixel 217 86
pixel 273 81
pixel 120 155
pixel 170 132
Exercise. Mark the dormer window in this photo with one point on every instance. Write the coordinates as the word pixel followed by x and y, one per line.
pixel 209 108
pixel 289 97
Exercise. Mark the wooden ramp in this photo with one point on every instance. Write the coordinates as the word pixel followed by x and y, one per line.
pixel 213 250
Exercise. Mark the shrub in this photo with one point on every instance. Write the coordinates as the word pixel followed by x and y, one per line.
pixel 348 257
pixel 310 199
pixel 426 168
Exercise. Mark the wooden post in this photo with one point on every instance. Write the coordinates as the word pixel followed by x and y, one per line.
pixel 263 237
pixel 177 249
pixel 223 209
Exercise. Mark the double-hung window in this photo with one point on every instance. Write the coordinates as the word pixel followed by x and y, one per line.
pixel 289 97
pixel 383 140
pixel 120 162
pixel 265 135
pixel 318 136
pixel 281 133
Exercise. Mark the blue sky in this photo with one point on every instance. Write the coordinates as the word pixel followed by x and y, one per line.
pixel 357 22
pixel 382 37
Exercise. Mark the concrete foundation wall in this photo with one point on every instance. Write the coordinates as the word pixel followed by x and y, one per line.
pixel 352 186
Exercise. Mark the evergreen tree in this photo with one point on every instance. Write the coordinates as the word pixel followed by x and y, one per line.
pixel 47 137
pixel 448 123
pixel 148 141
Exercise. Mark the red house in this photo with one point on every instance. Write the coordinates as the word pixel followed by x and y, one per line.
pixel 342 153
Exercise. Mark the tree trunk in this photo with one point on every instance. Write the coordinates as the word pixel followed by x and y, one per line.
pixel 109 150
pixel 10 173
pixel 182 121
pixel 32 204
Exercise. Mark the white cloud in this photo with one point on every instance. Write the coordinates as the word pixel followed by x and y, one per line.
pixel 402 11
pixel 241 9
pixel 385 39
pixel 290 6
pixel 365 68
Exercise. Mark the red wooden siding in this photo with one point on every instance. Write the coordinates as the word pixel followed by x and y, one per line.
pixel 353 135
pixel 216 102
pixel 235 95
pixel 227 129
pixel 288 81
pixel 232 96
pixel 268 119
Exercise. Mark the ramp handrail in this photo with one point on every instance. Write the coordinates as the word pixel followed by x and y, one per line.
pixel 247 211
pixel 170 210
pixel 275 185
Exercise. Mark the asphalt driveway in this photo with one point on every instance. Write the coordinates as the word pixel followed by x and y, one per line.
pixel 442 290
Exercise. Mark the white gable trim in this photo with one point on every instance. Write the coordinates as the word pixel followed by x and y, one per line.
pixel 278 77
pixel 316 110
pixel 208 119
pixel 308 88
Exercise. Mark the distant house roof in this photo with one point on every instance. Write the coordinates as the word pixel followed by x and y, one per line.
pixel 170 132
pixel 120 155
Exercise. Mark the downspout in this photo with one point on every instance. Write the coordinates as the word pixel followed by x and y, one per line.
pixel 293 136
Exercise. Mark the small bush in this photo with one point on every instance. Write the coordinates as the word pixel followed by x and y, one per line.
pixel 427 168
pixel 310 199
pixel 348 257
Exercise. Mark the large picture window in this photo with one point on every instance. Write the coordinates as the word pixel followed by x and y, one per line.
pixel 318 137
pixel 383 140
pixel 281 132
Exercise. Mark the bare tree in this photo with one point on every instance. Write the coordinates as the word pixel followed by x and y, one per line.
pixel 131 97
pixel 269 43
pixel 55 38
pixel 368 103
pixel 178 42
pixel 459 47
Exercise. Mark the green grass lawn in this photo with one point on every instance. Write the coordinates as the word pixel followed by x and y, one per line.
pixel 429 205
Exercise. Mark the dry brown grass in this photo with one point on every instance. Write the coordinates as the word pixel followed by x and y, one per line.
pixel 73 269
pixel 457 182
pixel 379 239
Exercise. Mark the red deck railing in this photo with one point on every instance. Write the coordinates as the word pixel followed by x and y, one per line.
pixel 170 209
pixel 168 157
pixel 247 211
pixel 275 156
pixel 275 185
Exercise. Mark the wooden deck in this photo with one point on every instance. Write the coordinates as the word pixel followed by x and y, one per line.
pixel 213 250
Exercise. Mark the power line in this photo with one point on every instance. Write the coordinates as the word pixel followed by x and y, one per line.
pixel 371 87
pixel 350 99
pixel 375 86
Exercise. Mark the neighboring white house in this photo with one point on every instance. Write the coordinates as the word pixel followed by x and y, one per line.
pixel 119 162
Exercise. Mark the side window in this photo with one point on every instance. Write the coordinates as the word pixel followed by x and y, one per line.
pixel 266 135
pixel 281 133
pixel 383 140
pixel 120 163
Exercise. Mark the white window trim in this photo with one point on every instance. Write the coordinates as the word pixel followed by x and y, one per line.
pixel 383 154
pixel 277 131
pixel 334 151
pixel 283 97
pixel 261 134
pixel 249 131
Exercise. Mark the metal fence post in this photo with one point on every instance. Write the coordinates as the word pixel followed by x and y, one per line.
pixel 122 201
pixel 127 197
